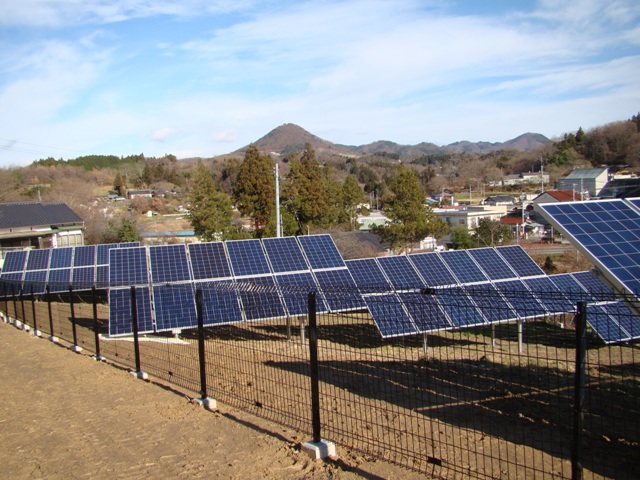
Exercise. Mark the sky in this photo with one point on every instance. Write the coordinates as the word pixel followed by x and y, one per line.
pixel 199 78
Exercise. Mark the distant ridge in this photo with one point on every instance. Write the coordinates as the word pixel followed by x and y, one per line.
pixel 290 138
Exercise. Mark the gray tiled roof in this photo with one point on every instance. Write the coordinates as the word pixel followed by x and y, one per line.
pixel 35 214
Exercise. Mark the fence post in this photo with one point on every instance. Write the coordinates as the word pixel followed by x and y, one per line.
pixel 96 335
pixel 579 390
pixel 136 343
pixel 75 347
pixel 16 322
pixel 25 325
pixel 204 400
pixel 36 332
pixel 52 337
pixel 317 448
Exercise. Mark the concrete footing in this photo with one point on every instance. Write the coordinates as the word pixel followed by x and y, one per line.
pixel 75 348
pixel 98 358
pixel 36 333
pixel 54 339
pixel 26 327
pixel 319 450
pixel 140 375
pixel 208 403
pixel 17 323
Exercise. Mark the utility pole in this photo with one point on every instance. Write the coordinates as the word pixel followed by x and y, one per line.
pixel 278 230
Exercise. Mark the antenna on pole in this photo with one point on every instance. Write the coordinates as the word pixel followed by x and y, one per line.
pixel 278 230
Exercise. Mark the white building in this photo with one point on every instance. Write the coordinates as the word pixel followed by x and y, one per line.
pixel 589 181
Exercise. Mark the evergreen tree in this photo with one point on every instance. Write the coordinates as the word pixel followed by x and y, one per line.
pixel 491 233
pixel 210 211
pixel 120 184
pixel 254 188
pixel 127 231
pixel 352 197
pixel 461 238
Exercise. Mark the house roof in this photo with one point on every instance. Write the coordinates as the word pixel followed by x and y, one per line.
pixel 585 173
pixel 511 220
pixel 36 214
pixel 561 195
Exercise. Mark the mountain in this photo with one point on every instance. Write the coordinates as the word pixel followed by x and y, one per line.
pixel 290 138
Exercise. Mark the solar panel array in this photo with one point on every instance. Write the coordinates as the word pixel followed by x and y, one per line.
pixel 81 267
pixel 427 292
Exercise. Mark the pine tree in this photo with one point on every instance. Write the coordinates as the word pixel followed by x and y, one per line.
pixel 210 211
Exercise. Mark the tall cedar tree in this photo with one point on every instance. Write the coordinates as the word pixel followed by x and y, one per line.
pixel 352 197
pixel 120 184
pixel 411 219
pixel 210 210
pixel 254 188
pixel 305 187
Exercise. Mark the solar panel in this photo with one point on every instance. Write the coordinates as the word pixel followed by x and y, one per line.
pixel 120 318
pixel 607 232
pixel 220 303
pixel 209 261
pixel 432 269
pixel 102 276
pixel 284 254
pixel 597 288
pixel 520 261
pixel 38 259
pixel 84 256
pixel 59 279
pixel 368 275
pixel 607 328
pixel 491 303
pixel 35 281
pixel 339 290
pixel 549 295
pixel 321 251
pixel 425 311
pixel 247 258
pixel 83 278
pixel 520 297
pixel 128 266
pixel 260 299
pixel 622 314
pixel 294 291
pixel 102 253
pixel 460 308
pixel 14 261
pixel 175 307
pixel 169 264
pixel 463 266
pixel 570 287
pixel 400 272
pixel 128 244
pixel 389 315
pixel 492 264
pixel 61 257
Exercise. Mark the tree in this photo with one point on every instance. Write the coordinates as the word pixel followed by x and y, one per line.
pixel 210 211
pixel 127 231
pixel 411 219
pixel 254 188
pixel 490 233
pixel 351 197
pixel 549 266
pixel 120 184
pixel 461 238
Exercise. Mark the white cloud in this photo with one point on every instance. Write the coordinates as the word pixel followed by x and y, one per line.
pixel 161 134
pixel 225 136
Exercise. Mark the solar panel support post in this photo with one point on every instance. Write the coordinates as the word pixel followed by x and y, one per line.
pixel 579 390
pixel 6 301
pixel 204 400
pixel 317 448
pixel 36 332
pixel 136 341
pixel 25 325
pixel 302 332
pixel 14 298
pixel 52 336
pixel 96 334
pixel 520 323
pixel 425 344
pixel 75 347
pixel 493 334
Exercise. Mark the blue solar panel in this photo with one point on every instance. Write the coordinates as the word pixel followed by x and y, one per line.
pixel 295 289
pixel 84 256
pixel 61 257
pixel 389 315
pixel 568 285
pixel 520 297
pixel 12 281
pixel 38 259
pixel 260 299
pixel 321 251
pixel 427 315
pixel 549 295
pixel 209 261
pixel 120 318
pixel 604 325
pixel 622 314
pixel 597 288
pixel 401 273
pixel 492 264
pixel 607 231
pixel 520 261
pixel 35 281
pixel 83 278
pixel 491 303
pixel 14 261
pixel 128 244
pixel 220 303
pixel 284 254
pixel 339 289
pixel 433 269
pixel 59 279
pixel 102 276
pixel 169 264
pixel 460 308
pixel 463 266
pixel 368 275
pixel 175 307
pixel 102 253
pixel 247 258
pixel 128 266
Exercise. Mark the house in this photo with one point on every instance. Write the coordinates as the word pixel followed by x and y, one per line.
pixel 39 225
pixel 500 200
pixel 131 194
pixel 590 181
pixel 555 196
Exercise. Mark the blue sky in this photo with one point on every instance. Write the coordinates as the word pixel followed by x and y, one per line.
pixel 205 77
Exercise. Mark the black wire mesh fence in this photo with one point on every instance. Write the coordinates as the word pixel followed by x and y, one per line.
pixel 530 395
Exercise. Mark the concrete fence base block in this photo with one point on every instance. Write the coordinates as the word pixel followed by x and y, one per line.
pixel 54 339
pixel 36 333
pixel 75 348
pixel 17 323
pixel 98 358
pixel 208 403
pixel 319 450
pixel 140 375
pixel 26 327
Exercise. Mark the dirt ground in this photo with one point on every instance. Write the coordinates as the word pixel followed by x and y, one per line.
pixel 64 415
